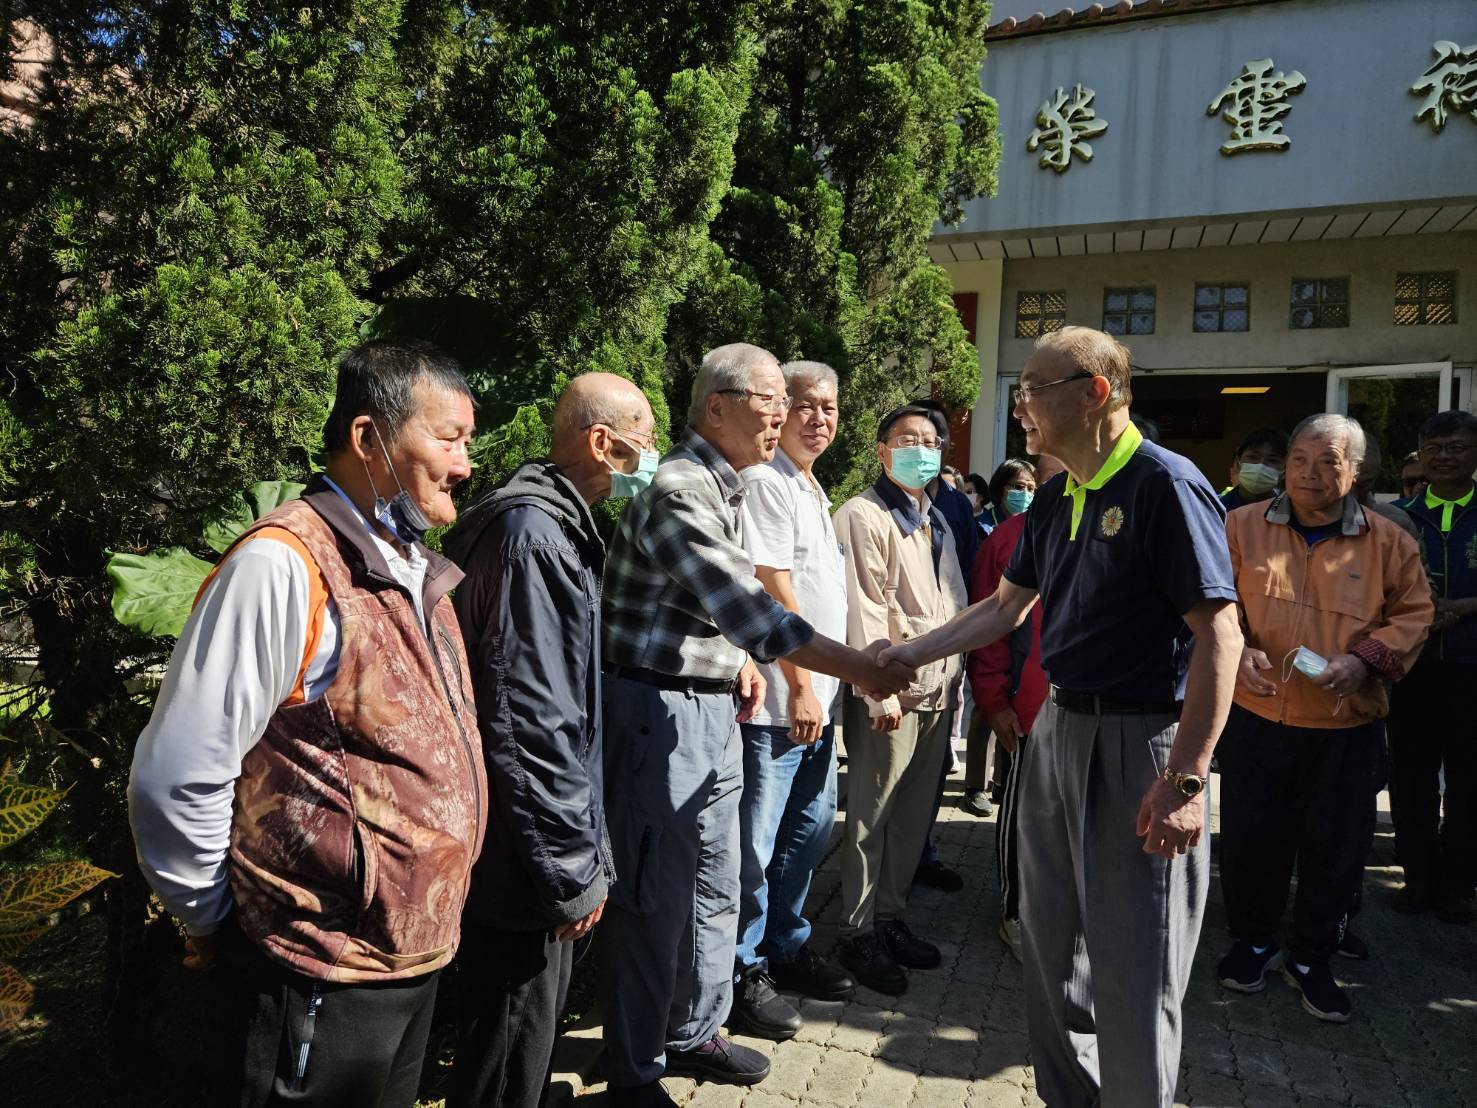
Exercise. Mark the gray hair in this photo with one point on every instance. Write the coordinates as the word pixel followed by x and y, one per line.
pixel 724 369
pixel 1334 428
pixel 808 373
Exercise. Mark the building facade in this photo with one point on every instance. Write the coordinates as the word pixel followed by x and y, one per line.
pixel 1274 202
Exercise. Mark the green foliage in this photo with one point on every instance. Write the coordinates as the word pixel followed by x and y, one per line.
pixel 866 125
pixel 28 895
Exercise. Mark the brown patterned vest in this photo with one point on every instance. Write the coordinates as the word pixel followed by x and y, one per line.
pixel 359 813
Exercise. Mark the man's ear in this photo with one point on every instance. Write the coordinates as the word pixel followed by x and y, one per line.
pixel 598 441
pixel 362 436
pixel 1101 389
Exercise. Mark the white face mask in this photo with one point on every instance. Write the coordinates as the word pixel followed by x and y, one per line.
pixel 1307 663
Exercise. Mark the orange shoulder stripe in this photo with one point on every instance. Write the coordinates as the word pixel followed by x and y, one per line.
pixel 317 599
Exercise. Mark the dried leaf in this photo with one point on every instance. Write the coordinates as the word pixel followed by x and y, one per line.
pixel 13 942
pixel 16 994
pixel 26 894
pixel 23 808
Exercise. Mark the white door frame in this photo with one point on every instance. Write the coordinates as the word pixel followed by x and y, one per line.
pixel 1338 381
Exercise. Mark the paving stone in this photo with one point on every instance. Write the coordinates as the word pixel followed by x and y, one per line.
pixel 996 1094
pixel 906 1040
pixel 1313 1072
pixel 887 1086
pixel 791 1069
pixel 941 1092
pixel 712 1095
pixel 1212 1090
pixel 859 1029
pixel 1259 1060
pixel 839 1078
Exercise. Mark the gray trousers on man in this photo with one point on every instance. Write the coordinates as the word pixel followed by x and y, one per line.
pixel 673 777
pixel 892 780
pixel 1109 931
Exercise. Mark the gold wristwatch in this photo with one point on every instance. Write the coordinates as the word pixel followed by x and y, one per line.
pixel 1191 784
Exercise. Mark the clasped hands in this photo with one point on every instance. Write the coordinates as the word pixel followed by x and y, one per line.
pixel 894 671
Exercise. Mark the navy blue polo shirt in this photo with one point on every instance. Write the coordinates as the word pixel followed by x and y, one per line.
pixel 1151 544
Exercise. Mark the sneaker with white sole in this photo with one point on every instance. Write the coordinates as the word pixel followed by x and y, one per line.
pixel 1322 996
pixel 1244 970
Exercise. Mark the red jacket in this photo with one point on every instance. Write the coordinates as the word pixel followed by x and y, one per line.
pixel 1007 673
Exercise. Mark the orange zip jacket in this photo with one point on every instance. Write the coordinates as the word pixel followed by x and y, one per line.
pixel 1362 591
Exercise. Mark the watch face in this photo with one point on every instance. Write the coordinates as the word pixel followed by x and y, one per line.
pixel 1191 786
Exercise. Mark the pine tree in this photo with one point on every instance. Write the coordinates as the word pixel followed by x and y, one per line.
pixel 866 125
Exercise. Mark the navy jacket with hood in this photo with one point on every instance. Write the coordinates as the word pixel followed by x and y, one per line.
pixel 530 613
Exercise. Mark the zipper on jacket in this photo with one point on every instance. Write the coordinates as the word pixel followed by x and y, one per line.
pixel 305 1040
pixel 460 730
pixel 1298 626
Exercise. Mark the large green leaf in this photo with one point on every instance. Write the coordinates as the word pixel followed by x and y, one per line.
pixel 246 509
pixel 153 592
pixel 28 893
pixel 22 808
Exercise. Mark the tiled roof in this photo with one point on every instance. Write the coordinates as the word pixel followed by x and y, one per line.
pixel 1100 15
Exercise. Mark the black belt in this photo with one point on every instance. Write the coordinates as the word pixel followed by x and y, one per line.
pixel 1095 705
pixel 672 683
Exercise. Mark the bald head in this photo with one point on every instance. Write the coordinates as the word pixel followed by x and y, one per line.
pixel 604 398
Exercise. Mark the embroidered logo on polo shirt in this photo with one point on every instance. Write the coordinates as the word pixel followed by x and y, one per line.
pixel 1111 522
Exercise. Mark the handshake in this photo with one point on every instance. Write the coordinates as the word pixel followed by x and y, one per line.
pixel 891 672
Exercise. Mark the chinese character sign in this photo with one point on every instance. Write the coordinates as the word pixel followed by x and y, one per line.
pixel 1254 104
pixel 1450 85
pixel 1063 124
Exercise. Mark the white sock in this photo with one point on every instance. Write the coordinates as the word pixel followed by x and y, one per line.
pixel 1300 967
pixel 1260 949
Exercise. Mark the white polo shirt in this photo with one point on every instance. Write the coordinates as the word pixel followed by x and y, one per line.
pixel 785 523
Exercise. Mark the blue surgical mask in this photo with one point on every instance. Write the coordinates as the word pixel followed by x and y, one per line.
pixel 1307 663
pixel 629 484
pixel 1018 500
pixel 399 515
pixel 915 466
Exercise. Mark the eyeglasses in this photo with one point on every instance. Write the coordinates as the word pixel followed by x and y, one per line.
pixel 1455 449
pixel 916 440
pixel 769 402
pixel 1022 394
pixel 644 441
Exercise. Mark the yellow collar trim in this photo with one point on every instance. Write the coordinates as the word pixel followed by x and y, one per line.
pixel 1447 506
pixel 1123 449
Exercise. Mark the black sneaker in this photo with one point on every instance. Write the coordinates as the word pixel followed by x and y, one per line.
pixel 720 1060
pixel 868 958
pixel 758 1008
pixel 650 1095
pixel 811 975
pixel 1352 946
pixel 936 875
pixel 906 948
pixel 1321 993
pixel 1244 970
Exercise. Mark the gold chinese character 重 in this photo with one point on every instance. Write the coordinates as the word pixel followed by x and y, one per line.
pixel 1064 123
pixel 1254 104
pixel 1450 85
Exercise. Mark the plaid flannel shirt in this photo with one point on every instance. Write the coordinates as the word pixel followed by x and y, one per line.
pixel 680 596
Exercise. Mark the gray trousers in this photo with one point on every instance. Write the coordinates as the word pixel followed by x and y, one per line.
pixel 892 781
pixel 673 777
pixel 1109 931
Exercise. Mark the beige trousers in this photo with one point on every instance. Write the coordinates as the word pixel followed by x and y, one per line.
pixel 891 779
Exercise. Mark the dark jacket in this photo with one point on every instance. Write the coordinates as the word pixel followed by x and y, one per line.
pixel 1451 561
pixel 958 513
pixel 530 611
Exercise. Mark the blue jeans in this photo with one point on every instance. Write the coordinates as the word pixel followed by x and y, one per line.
pixel 785 819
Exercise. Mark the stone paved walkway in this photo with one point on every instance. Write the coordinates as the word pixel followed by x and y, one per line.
pixel 957 1036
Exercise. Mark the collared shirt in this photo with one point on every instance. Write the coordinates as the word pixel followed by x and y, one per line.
pixel 1150 545
pixel 1446 506
pixel 787 525
pixel 680 593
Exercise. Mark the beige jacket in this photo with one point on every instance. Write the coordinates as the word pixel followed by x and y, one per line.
pixel 893 593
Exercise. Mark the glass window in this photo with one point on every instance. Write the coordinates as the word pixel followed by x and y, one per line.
pixel 1039 313
pixel 1318 302
pixel 1222 308
pixel 1128 311
pixel 1422 298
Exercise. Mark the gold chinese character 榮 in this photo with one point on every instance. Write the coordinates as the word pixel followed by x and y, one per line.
pixel 1064 123
pixel 1255 103
pixel 1450 85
